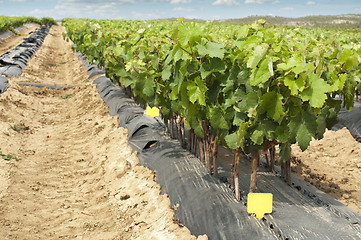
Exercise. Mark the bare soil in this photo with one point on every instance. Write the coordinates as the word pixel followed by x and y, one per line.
pixel 77 177
pixel 333 165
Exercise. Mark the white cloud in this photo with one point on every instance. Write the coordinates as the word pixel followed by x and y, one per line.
pixel 23 1
pixel 287 9
pixel 257 1
pixel 180 1
pixel 225 3
pixel 182 9
pixel 36 12
pixel 192 17
pixel 309 3
pixel 276 2
pixel 79 10
pixel 145 16
pixel 113 2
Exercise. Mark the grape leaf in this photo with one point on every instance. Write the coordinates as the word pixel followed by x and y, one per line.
pixel 303 137
pixel 232 140
pixel 316 93
pixel 285 152
pixel 252 99
pixel 295 85
pixel 260 75
pixel 257 55
pixel 272 105
pixel 282 134
pixel 212 49
pixel 148 87
pixel 215 65
pixel 236 139
pixel 197 93
pixel 167 72
pixel 265 129
pixel 257 136
pixel 243 31
pixel 310 120
pixel 339 82
pixel 294 61
pixel 217 119
pixel 196 125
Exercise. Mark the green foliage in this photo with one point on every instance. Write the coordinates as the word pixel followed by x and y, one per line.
pixel 8 157
pixel 9 23
pixel 19 128
pixel 252 84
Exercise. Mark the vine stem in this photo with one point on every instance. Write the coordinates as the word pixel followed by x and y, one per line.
pixel 192 56
pixel 214 155
pixel 237 154
pixel 116 59
pixel 254 164
pixel 207 146
pixel 286 171
pixel 154 45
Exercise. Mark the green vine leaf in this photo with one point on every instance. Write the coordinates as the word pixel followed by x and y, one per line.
pixel 316 92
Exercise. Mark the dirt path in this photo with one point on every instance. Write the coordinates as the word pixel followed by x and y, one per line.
pixel 77 178
pixel 13 40
pixel 333 165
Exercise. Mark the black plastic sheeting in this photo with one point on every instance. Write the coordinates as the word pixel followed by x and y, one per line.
pixel 93 70
pixel 14 61
pixel 206 205
pixel 4 84
pixel 351 120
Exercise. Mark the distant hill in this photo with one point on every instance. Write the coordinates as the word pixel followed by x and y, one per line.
pixel 350 21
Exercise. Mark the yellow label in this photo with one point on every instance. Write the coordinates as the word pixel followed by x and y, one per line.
pixel 152 112
pixel 259 203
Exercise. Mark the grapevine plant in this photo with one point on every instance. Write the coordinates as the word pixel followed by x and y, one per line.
pixel 9 23
pixel 247 87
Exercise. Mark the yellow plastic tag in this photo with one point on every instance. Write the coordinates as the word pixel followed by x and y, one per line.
pixel 152 112
pixel 259 203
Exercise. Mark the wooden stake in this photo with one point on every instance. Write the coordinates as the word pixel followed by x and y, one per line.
pixel 214 155
pixel 198 150
pixel 194 143
pixel 207 146
pixel 181 131
pixel 233 169
pixel 288 172
pixel 207 156
pixel 175 132
pixel 190 140
pixel 237 154
pixel 254 163
pixel 272 153
pixel 201 149
pixel 171 128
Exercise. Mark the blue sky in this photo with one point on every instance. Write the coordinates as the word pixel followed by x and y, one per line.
pixel 153 9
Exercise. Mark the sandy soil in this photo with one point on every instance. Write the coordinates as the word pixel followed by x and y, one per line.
pixel 13 40
pixel 333 165
pixel 77 178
